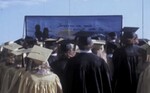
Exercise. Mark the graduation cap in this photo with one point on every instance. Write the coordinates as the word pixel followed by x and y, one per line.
pixel 146 47
pixel 99 36
pixel 20 41
pixel 40 43
pixel 21 51
pixel 39 54
pixel 13 46
pixel 59 40
pixel 148 43
pixel 29 41
pixel 66 45
pixel 129 32
pixel 50 42
pixel 84 37
pixel 98 42
pixel 65 41
pixel 112 35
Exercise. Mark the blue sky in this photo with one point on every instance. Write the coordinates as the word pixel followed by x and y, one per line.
pixel 12 13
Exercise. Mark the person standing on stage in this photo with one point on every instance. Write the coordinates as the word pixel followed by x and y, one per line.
pixel 38 33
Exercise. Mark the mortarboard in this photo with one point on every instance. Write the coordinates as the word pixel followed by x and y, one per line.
pixel 98 42
pixel 99 36
pixel 21 51
pixel 112 35
pixel 50 42
pixel 65 41
pixel 12 46
pixel 146 47
pixel 9 42
pixel 142 41
pixel 65 45
pixel 40 54
pixel 84 37
pixel 20 41
pixel 148 43
pixel 40 43
pixel 129 32
pixel 59 40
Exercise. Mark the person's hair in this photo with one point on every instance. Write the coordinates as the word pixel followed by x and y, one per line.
pixel 112 35
pixel 128 41
pixel 85 47
pixel 85 43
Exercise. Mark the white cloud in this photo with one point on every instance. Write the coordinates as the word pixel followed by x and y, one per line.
pixel 7 3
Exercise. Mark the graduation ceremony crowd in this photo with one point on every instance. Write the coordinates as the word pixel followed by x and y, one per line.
pixel 85 64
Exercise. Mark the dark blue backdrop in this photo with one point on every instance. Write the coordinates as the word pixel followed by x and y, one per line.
pixel 65 26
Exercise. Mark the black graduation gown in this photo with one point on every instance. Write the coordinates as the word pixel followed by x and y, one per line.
pixel 52 59
pixel 58 67
pixel 126 60
pixel 87 73
pixel 111 47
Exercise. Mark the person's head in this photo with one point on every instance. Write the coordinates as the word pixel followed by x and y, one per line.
pixel 85 43
pixel 112 36
pixel 45 31
pixel 129 36
pixel 66 50
pixel 136 40
pixel 84 39
pixel 10 60
pixel 37 27
pixel 98 46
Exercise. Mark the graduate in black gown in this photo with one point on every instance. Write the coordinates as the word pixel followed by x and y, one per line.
pixel 50 43
pixel 126 60
pixel 111 44
pixel 86 72
pixel 65 52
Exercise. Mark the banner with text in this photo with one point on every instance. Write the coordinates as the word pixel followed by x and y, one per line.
pixel 66 26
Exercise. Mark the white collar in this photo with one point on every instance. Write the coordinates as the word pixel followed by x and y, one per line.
pixel 113 41
pixel 85 51
pixel 54 54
